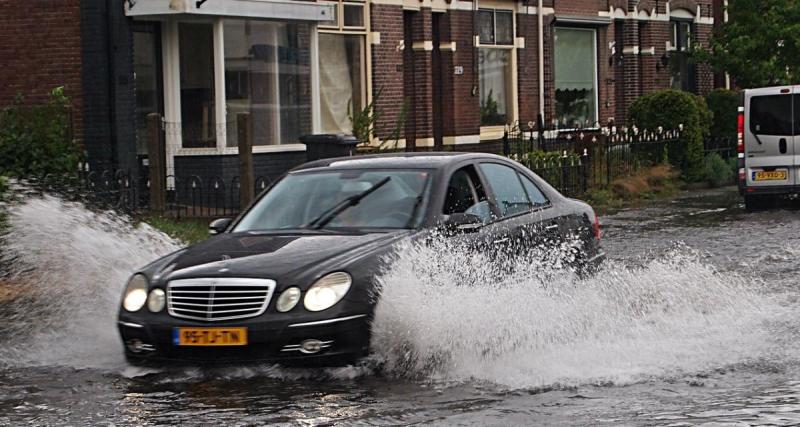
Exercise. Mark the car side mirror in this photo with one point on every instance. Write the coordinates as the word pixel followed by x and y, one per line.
pixel 219 225
pixel 463 223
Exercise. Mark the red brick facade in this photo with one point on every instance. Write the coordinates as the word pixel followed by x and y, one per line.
pixel 423 56
pixel 40 49
pixel 633 50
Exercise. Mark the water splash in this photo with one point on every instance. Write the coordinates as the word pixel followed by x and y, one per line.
pixel 538 327
pixel 68 265
pixel 445 313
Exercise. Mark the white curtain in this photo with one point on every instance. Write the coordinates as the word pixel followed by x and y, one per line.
pixel 494 74
pixel 336 86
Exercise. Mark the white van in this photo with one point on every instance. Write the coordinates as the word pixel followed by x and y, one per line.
pixel 769 151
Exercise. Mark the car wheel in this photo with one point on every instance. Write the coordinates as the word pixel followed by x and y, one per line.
pixel 757 203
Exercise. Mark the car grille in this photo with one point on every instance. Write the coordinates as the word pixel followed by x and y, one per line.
pixel 218 299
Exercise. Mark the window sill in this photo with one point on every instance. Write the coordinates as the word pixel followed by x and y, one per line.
pixel 228 151
pixel 492 132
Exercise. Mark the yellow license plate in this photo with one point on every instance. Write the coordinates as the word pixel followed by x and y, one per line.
pixel 209 336
pixel 770 176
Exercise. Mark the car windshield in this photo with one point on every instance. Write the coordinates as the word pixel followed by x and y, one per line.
pixel 360 198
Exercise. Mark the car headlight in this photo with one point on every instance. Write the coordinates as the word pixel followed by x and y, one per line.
pixel 327 291
pixel 288 299
pixel 135 293
pixel 156 300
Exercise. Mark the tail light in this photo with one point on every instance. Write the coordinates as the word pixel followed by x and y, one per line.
pixel 740 132
pixel 596 227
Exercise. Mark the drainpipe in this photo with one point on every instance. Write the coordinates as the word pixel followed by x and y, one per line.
pixel 539 13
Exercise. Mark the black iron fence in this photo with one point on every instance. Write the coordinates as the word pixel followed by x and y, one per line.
pixel 190 196
pixel 725 146
pixel 576 160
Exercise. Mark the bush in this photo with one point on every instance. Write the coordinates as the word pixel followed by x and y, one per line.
pixel 724 105
pixel 35 140
pixel 669 109
pixel 716 171
pixel 548 164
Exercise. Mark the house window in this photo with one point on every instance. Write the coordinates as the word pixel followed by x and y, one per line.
pixel 342 72
pixel 682 71
pixel 196 56
pixel 575 77
pixel 496 44
pixel 267 75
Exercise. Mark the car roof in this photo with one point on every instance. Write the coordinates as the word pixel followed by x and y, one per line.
pixel 424 160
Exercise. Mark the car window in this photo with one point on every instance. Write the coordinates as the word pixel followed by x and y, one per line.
pixel 465 194
pixel 534 194
pixel 771 115
pixel 509 194
pixel 299 199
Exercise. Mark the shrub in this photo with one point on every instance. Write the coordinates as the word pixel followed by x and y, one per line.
pixel 669 109
pixel 716 171
pixel 35 140
pixel 724 105
pixel 549 164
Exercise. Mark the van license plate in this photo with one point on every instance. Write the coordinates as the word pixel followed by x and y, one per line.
pixel 209 336
pixel 779 175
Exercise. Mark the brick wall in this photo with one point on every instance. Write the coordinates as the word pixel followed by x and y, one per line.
pixel 705 74
pixel 40 49
pixel 387 65
pixel 528 68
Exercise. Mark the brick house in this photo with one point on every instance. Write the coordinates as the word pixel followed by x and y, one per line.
pixel 451 72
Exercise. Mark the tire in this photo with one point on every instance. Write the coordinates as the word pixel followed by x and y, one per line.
pixel 758 203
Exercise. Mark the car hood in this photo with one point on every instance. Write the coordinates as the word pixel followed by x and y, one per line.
pixel 290 258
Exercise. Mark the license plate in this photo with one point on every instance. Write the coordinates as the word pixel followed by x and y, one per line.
pixel 770 175
pixel 209 336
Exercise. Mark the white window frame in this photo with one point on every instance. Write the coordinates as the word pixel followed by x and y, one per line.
pixel 172 100
pixel 366 72
pixel 596 76
pixel 496 131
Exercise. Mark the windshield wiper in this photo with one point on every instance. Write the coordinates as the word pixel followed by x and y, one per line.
pixel 417 203
pixel 325 217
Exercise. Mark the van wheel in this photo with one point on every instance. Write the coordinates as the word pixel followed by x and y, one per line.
pixel 757 203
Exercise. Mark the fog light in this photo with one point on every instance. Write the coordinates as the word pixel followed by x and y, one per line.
pixel 156 300
pixel 311 346
pixel 288 299
pixel 135 346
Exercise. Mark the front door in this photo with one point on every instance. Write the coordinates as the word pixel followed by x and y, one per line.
pixel 148 80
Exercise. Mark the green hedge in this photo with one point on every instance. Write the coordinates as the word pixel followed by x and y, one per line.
pixel 35 141
pixel 669 109
pixel 724 105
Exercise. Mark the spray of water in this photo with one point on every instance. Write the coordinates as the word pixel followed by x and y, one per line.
pixel 539 327
pixel 68 266
pixel 444 313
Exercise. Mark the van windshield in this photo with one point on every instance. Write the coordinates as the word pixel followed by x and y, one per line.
pixel 301 199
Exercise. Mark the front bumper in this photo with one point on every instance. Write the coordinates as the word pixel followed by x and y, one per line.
pixel 346 338
pixel 745 190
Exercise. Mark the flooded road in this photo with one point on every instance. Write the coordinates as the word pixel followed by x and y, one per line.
pixel 694 320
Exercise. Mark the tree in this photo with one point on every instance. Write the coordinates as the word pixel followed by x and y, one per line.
pixel 760 43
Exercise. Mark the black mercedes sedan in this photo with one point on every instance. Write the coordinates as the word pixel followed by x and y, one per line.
pixel 291 280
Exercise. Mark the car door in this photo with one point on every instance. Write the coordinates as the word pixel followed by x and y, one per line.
pixel 525 216
pixel 465 193
pixel 769 138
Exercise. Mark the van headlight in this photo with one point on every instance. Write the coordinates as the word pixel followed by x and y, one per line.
pixel 135 293
pixel 327 291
